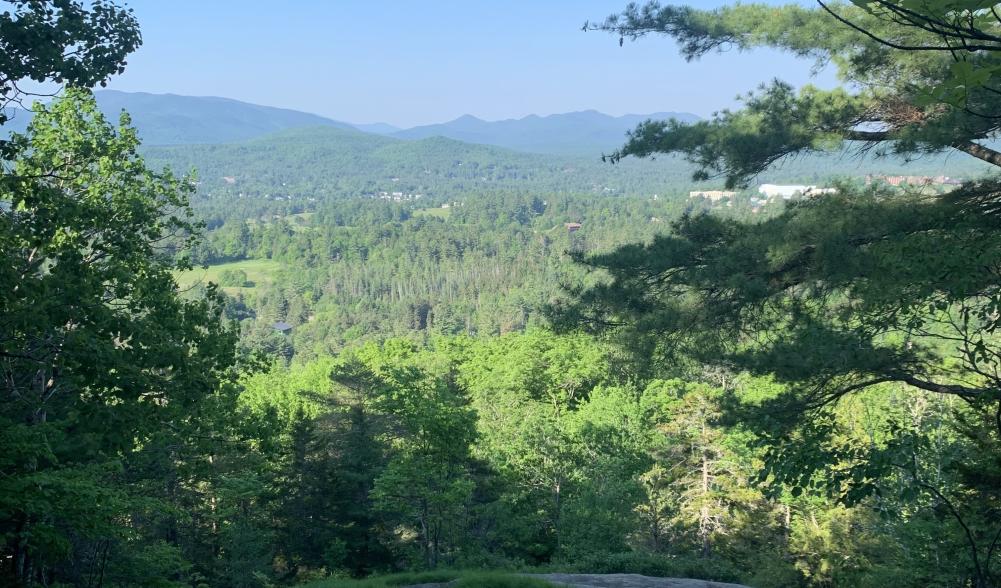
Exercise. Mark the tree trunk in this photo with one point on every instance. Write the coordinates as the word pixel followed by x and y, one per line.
pixel 704 514
pixel 426 534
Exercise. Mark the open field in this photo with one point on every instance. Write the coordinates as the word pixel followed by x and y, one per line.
pixel 259 271
pixel 442 213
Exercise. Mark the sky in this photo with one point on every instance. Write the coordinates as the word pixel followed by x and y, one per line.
pixel 412 63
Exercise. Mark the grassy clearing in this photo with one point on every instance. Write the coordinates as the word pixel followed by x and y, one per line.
pixel 259 271
pixel 442 213
pixel 463 579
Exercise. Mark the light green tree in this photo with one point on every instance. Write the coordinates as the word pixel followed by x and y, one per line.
pixel 426 485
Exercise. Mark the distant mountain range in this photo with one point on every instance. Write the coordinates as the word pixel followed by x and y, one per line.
pixel 378 128
pixel 576 133
pixel 169 119
pixel 222 136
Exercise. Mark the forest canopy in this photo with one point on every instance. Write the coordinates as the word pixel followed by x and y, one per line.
pixel 289 369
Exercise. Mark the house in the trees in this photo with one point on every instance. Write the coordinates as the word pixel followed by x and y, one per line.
pixel 282 327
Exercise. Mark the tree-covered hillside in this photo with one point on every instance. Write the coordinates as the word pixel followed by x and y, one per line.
pixel 336 359
pixel 169 119
pixel 298 167
pixel 328 163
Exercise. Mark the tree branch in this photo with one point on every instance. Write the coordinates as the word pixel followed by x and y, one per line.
pixel 952 389
pixel 899 46
pixel 979 151
pixel 870 136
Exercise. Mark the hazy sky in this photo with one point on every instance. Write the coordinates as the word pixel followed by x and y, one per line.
pixel 409 63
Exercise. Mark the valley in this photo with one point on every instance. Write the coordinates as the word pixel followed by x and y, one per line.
pixel 248 346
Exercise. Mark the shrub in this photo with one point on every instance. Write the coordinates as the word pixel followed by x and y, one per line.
pixel 231 277
pixel 499 580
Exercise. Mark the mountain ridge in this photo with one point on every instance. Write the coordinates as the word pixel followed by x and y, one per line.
pixel 176 119
pixel 585 132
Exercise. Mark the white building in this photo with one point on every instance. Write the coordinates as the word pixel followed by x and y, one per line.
pixel 787 192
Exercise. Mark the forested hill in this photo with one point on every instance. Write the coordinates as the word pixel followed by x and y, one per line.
pixel 171 119
pixel 586 133
pixel 324 162
pixel 320 163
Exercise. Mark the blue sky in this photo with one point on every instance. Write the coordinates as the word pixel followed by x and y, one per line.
pixel 409 63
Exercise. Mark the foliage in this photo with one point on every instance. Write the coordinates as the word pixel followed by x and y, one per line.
pixel 806 394
pixel 102 359
pixel 233 278
pixel 888 293
pixel 867 306
pixel 911 86
pixel 62 41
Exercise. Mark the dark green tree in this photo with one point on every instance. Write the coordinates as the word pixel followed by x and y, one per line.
pixel 838 295
pixel 919 77
pixel 99 352
pixel 873 291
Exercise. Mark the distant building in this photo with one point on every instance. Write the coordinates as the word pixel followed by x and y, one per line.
pixel 712 195
pixel 282 327
pixel 915 180
pixel 573 227
pixel 396 196
pixel 787 192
